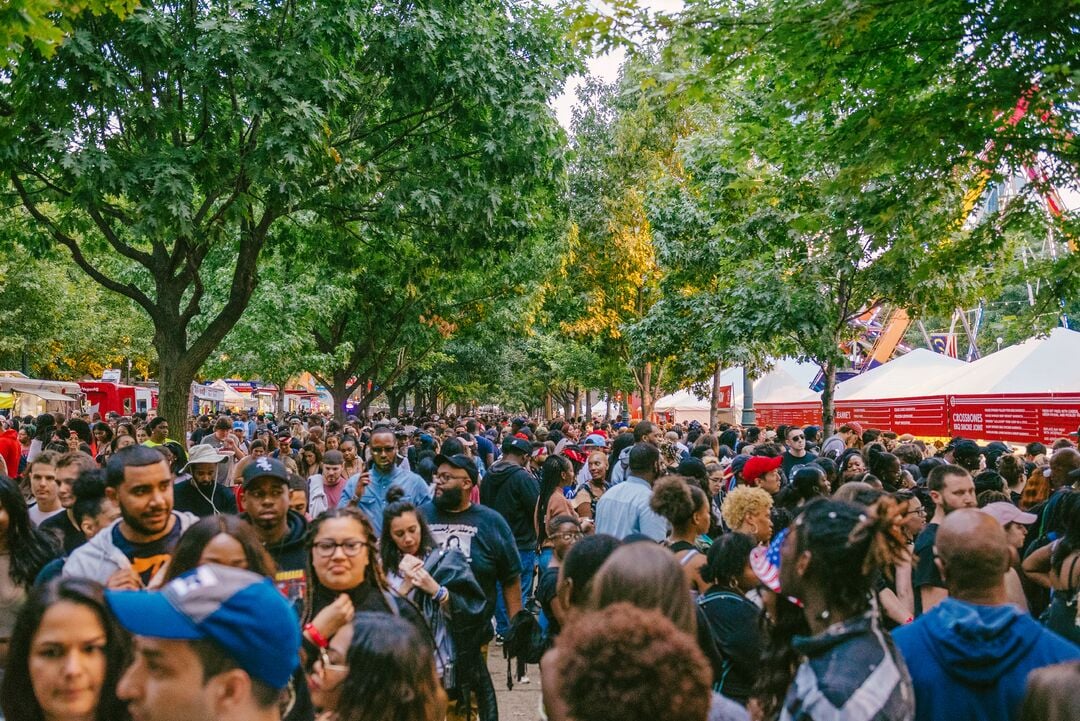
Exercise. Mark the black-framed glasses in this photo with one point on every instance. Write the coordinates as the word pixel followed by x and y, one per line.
pixel 326 547
pixel 920 511
pixel 797 438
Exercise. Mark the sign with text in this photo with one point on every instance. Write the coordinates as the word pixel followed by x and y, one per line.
pixel 1019 418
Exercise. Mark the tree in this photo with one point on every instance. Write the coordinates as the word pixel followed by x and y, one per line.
pixel 46 23
pixel 57 327
pixel 848 145
pixel 164 152
pixel 621 144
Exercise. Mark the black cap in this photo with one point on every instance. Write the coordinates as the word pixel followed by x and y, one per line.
pixel 462 461
pixel 265 467
pixel 966 447
pixel 513 444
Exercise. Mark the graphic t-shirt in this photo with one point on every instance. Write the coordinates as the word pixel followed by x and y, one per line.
pixel 148 558
pixel 486 540
pixel 790 462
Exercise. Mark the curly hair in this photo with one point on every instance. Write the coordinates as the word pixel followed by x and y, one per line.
pixel 677 498
pixel 631 664
pixel 744 501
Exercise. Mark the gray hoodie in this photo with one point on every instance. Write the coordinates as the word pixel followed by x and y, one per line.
pixel 99 558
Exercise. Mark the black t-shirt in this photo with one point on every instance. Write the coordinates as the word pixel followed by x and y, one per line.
pixel 188 496
pixel 926 571
pixel 790 462
pixel 486 540
pixel 545 594
pixel 733 621
pixel 198 434
pixel 148 558
pixel 61 526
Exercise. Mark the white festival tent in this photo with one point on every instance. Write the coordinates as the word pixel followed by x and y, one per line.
pixel 913 374
pixel 231 398
pixel 684 406
pixel 1048 364
pixel 788 381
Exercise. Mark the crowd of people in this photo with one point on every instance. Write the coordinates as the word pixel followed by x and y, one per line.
pixel 253 567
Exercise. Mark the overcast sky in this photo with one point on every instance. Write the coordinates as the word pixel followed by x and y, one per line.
pixel 605 66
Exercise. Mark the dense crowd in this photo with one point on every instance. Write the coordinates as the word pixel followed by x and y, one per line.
pixel 262 568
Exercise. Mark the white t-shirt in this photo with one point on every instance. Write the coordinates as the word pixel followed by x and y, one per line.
pixel 37 516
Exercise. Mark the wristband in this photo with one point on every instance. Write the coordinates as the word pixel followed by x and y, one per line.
pixel 315 636
pixel 441 594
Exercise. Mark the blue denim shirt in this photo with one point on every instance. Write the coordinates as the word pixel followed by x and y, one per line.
pixel 373 500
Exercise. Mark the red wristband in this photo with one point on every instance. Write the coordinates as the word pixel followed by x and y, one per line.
pixel 315 636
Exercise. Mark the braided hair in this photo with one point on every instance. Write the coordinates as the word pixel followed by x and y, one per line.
pixel 849 546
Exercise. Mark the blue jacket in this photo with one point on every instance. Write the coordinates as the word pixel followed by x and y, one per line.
pixel 972 662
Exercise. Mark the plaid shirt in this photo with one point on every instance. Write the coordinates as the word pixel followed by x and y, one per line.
pixel 851 672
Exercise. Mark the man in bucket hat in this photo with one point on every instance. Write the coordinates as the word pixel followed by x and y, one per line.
pixel 201 494
pixel 215 643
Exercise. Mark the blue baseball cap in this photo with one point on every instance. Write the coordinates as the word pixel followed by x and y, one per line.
pixel 240 611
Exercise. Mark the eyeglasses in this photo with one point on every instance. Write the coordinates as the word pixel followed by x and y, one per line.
pixel 797 438
pixel 328 665
pixel 920 511
pixel 569 536
pixel 326 548
pixel 446 478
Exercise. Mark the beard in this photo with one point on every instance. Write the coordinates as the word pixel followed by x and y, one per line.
pixel 449 500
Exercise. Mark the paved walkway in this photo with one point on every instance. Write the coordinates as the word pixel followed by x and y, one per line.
pixel 521 704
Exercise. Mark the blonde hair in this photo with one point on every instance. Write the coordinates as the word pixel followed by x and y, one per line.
pixel 744 501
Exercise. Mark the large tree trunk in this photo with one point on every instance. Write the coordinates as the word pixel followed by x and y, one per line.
pixel 588 404
pixel 175 375
pixel 828 405
pixel 339 384
pixel 607 404
pixel 549 407
pixel 713 407
pixel 749 417
pixel 394 401
pixel 645 390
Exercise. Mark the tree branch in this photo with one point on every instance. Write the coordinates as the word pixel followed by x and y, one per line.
pixel 124 289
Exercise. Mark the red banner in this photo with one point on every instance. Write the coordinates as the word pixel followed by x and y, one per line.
pixel 723 398
pixel 788 414
pixel 1019 418
pixel 1015 418
pixel 927 416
